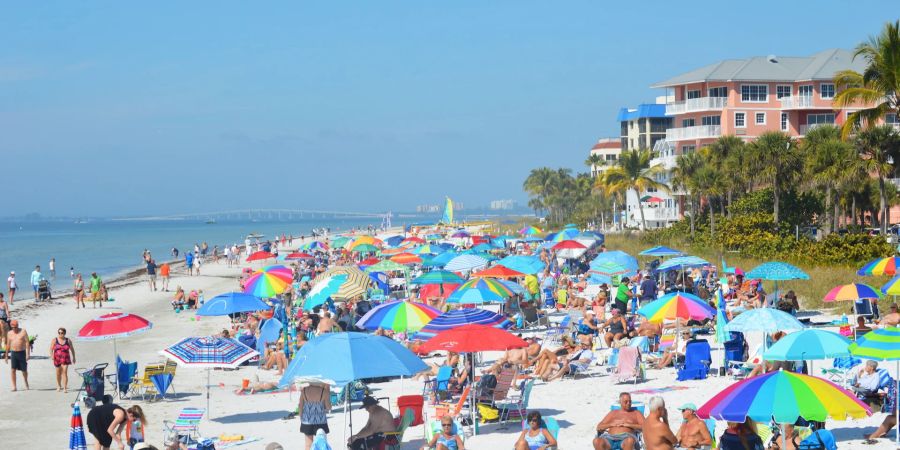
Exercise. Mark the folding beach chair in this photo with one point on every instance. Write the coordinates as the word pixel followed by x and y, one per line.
pixel 628 366
pixel 394 439
pixel 551 425
pixel 841 370
pixel 450 409
pixel 434 427
pixel 144 386
pixel 734 348
pixel 515 408
pixel 532 318
pixel 439 386
pixel 555 334
pixel 185 428
pixel 125 373
pixel 499 392
pixel 697 359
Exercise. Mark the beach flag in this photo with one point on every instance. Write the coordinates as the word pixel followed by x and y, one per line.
pixel 448 213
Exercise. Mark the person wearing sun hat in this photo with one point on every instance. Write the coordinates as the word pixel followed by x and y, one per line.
pixel 693 432
pixel 372 435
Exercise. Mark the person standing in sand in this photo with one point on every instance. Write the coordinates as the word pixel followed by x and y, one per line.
pixel 52 269
pixel 96 282
pixel 62 352
pixel 693 432
pixel 326 325
pixel 151 274
pixel 79 292
pixel 4 321
pixel 19 351
pixel 620 427
pixel 164 270
pixel 12 286
pixel 314 405
pixel 657 434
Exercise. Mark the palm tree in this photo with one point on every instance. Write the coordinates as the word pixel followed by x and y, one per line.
pixel 878 85
pixel 708 182
pixel 682 176
pixel 725 154
pixel 538 185
pixel 828 161
pixel 878 148
pixel 775 160
pixel 593 162
pixel 633 172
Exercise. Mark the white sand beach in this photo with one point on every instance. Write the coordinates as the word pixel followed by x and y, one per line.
pixel 39 418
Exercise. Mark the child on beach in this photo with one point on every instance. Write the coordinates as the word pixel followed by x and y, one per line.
pixel 136 426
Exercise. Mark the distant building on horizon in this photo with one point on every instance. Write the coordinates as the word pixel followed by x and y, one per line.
pixel 609 149
pixel 502 205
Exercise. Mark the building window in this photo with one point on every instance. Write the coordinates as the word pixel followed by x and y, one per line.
pixel 892 119
pixel 760 118
pixel 687 123
pixel 711 120
pixel 718 92
pixel 806 90
pixel 784 121
pixel 826 90
pixel 685 149
pixel 782 91
pixel 818 119
pixel 755 93
pixel 693 94
pixel 624 143
pixel 642 125
pixel 740 120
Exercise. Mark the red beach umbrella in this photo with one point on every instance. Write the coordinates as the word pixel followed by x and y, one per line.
pixel 260 255
pixel 297 256
pixel 568 244
pixel 412 240
pixel 499 271
pixel 113 326
pixel 406 258
pixel 473 338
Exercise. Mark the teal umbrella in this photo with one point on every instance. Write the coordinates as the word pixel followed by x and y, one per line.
pixel 438 277
pixel 777 271
pixel 322 290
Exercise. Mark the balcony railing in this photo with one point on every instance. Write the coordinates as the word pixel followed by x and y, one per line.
pixel 696 105
pixel 699 132
pixel 668 162
pixel 797 102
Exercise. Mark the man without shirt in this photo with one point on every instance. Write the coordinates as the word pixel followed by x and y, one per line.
pixel 19 352
pixel 693 432
pixel 657 434
pixel 618 430
pixel 326 325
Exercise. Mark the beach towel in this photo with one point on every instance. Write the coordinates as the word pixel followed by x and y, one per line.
pixel 320 442
pixel 229 444
pixel 270 391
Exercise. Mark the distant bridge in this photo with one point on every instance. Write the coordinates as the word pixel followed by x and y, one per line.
pixel 267 214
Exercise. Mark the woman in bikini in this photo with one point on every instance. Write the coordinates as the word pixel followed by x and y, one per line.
pixel 79 292
pixel 62 352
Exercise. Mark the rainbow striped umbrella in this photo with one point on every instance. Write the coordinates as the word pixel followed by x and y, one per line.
pixel 892 287
pixel 883 344
pixel 880 266
pixel 480 290
pixel 401 316
pixel 786 397
pixel 530 231
pixel 428 249
pixel 677 305
pixel 459 317
pixel 269 282
pixel 406 258
pixel 852 291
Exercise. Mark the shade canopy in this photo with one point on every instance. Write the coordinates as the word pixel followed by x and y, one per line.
pixel 465 263
pixel 113 326
pixel 438 277
pixel 851 292
pixel 807 345
pixel 880 266
pixel 880 343
pixel 473 338
pixel 344 357
pixel 478 291
pixel 269 281
pixel 209 352
pixel 661 251
pixel 777 271
pixel 231 303
pixel 400 316
pixel 768 320
pixel 682 262
pixel 521 263
pixel 677 305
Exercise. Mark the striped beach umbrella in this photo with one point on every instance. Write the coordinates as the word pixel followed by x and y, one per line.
pixel 322 290
pixel 459 317
pixel 317 245
pixel 677 305
pixel 851 292
pixel 76 430
pixel 356 283
pixel 465 263
pixel 882 344
pixel 438 277
pixel 530 231
pixel 401 316
pixel 785 397
pixel 269 281
pixel 880 266
pixel 498 271
pixel 406 258
pixel 478 291
pixel 892 287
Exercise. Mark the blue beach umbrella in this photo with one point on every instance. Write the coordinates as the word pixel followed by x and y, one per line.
pixel 231 303
pixel 618 257
pixel 345 357
pixel 162 381
pixel 394 241
pixel 269 331
pixel 682 262
pixel 441 260
pixel 777 271
pixel 808 345
pixel 768 320
pixel 478 291
pixel 526 264
pixel 76 430
pixel 465 263
pixel 661 251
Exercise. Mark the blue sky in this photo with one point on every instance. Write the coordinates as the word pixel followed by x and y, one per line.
pixel 111 108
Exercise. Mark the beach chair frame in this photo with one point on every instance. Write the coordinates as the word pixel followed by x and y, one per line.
pixel 186 424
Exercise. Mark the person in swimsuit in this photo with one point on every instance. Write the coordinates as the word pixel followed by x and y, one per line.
pixel 618 430
pixel 62 352
pixel 536 436
pixel 18 349
pixel 4 321
pixel 79 292
pixel 616 327
pixel 314 405
pixel 447 438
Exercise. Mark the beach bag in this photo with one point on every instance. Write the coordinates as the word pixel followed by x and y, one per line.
pixel 487 385
pixel 488 413
pixel 206 444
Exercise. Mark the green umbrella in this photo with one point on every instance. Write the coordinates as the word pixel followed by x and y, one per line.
pixel 387 266
pixel 340 241
pixel 365 248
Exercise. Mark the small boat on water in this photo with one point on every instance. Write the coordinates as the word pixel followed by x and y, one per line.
pixel 210 221
pixel 255 236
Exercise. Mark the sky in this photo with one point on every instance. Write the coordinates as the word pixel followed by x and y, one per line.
pixel 128 108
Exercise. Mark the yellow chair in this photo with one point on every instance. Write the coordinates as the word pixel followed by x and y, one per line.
pixel 143 386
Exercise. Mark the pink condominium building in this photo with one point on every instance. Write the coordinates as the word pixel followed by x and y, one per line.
pixel 746 97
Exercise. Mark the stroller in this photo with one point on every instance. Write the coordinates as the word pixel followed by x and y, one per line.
pixel 44 290
pixel 92 385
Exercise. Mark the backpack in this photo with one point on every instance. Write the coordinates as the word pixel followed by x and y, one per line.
pixel 487 385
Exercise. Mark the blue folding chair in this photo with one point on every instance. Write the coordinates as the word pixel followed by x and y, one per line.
pixel 125 373
pixel 697 358
pixel 440 384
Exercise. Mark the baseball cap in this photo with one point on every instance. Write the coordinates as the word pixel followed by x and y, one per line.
pixel 689 406
pixel 12 272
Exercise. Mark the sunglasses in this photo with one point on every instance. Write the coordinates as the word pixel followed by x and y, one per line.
pixel 60 332
pixel 446 424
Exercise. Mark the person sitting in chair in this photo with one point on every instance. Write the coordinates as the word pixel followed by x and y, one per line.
pixel 866 384
pixel 618 430
pixel 372 434
pixel 574 362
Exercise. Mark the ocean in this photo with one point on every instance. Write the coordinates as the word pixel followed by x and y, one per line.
pixel 112 248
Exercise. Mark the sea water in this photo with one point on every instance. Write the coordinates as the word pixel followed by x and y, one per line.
pixel 111 247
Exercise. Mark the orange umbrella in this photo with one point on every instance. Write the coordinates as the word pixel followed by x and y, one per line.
pixel 406 258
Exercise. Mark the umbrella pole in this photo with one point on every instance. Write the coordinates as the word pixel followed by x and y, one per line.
pixel 896 409
pixel 208 370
